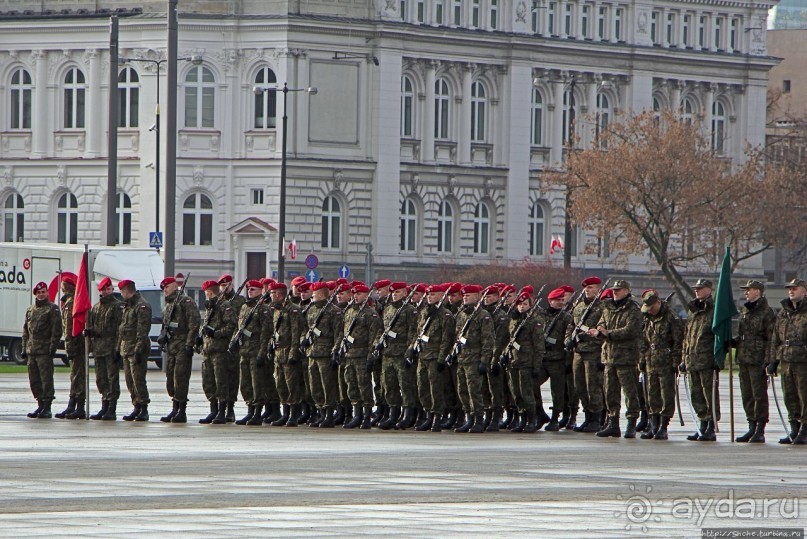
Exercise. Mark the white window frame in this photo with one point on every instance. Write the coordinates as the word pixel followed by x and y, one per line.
pixel 14 218
pixel 445 227
pixel 128 98
pixel 482 228
pixel 719 123
pixel 493 14
pixel 407 107
pixel 67 219
pixel 203 93
pixel 331 230
pixel 442 110
pixel 479 108
pixel 123 219
pixel 409 226
pixel 75 99
pixel 476 14
pixel 537 117
pixel 199 215
pixel 21 105
pixel 537 229
pixel 265 101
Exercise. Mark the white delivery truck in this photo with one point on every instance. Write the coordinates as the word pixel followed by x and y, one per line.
pixel 22 265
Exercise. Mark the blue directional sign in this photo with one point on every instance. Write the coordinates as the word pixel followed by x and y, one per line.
pixel 293 274
pixel 311 261
pixel 344 271
pixel 312 276
pixel 156 240
pixel 274 274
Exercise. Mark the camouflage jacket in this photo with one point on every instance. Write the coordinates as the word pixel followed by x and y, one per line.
pixel 501 329
pixel 405 327
pixel 754 336
pixel 42 329
pixel 699 341
pixel 454 308
pixel 184 323
pixel 624 324
pixel 529 352
pixel 663 339
pixel 439 337
pixel 789 340
pixel 74 346
pixel 479 338
pixel 365 331
pixel 330 328
pixel 555 340
pixel 586 344
pixel 287 326
pixel 256 334
pixel 220 316
pixel 104 319
pixel 236 302
pixel 134 326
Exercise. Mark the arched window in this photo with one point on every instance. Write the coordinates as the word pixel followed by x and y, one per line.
pixel 407 107
pixel 331 223
pixel 409 220
pixel 266 101
pixel 569 113
pixel 537 118
pixel 14 218
pixel 719 127
pixel 656 111
pixel 482 229
pixel 67 219
pixel 123 220
pixel 197 220
pixel 603 115
pixel 537 230
pixel 479 102
pixel 445 227
pixel 688 111
pixel 442 102
pixel 200 98
pixel 20 99
pixel 128 98
pixel 74 98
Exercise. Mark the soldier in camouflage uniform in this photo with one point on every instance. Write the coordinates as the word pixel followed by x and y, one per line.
pixel 103 324
pixel 135 346
pixel 587 365
pixel 789 346
pixel 286 332
pixel 251 341
pixel 553 366
pixel 344 412
pixel 41 333
pixel 526 330
pixel 661 354
pixel 753 348
pixel 181 322
pixel 382 407
pixel 309 409
pixel 76 353
pixel 454 416
pixel 216 335
pixel 571 402
pixel 474 359
pixel 362 327
pixel 232 368
pixel 435 337
pixel 620 329
pixel 699 361
pixel 496 386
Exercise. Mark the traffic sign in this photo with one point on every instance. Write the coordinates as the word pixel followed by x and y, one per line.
pixel 344 271
pixel 312 276
pixel 293 274
pixel 311 261
pixel 274 274
pixel 156 240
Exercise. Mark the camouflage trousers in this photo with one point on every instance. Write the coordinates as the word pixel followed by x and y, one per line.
pixel 378 384
pixel 588 381
pixel 700 388
pixel 215 376
pixel 178 366
pixel 450 392
pixel 232 371
pixel 754 391
pixel 289 378
pixel 306 383
pixel 570 398
pixel 344 400
pixel 78 378
pixel 622 379
pixel 135 374
pixel 794 390
pixel 471 387
pixel 323 381
pixel 661 391
pixel 40 377
pixel 253 380
pixel 400 383
pixel 555 372
pixel 358 382
pixel 431 386
pixel 522 386
pixel 107 378
pixel 496 391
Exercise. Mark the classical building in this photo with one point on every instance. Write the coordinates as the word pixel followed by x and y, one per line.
pixel 434 123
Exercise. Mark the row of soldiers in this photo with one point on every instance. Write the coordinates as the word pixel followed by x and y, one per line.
pixel 432 357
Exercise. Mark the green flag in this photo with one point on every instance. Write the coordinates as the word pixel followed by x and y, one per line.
pixel 725 309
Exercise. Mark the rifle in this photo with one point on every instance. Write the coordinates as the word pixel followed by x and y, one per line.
pixel 242 332
pixel 507 354
pixel 347 340
pixel 459 344
pixel 313 331
pixel 580 326
pixel 208 314
pixel 165 331
pixel 388 333
pixel 240 288
pixel 551 326
pixel 422 337
pixel 275 335
pixel 502 300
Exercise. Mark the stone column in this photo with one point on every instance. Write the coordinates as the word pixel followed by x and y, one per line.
pixel 94 123
pixel 43 126
pixel 464 135
pixel 556 147
pixel 427 150
pixel 518 90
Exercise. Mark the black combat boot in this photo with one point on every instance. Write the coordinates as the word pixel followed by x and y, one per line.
pixel 171 414
pixel 466 426
pixel 272 413
pixel 541 418
pixel 143 415
pixel 794 431
pixel 422 415
pixel 284 417
pixel 695 436
pixel 35 413
pixel 257 418
pixel 407 417
pixel 594 422
pixel 642 421
pixel 214 408
pixel 437 422
pixel 79 412
pixel 528 423
pixel 305 413
pixel 630 430
pixel 380 414
pixel 426 424
pixel 339 415
pixel 759 433
pixel 104 407
pixel 329 420
pixel 517 417
pixel 182 413
pixel 356 420
pixel 752 427
pixel 348 415
pixel 134 413
pixel 801 437
pixel 230 413
pixel 650 431
pixel 111 411
pixel 479 424
pixel 553 424
pixel 316 418
pixel 71 407
pixel 507 418
pixel 661 433
pixel 709 435
pixel 572 424
pixel 493 426
pixel 250 414
pixel 45 413
pixel 582 426
pixel 367 422
pixel 294 415
pixel 611 429
pixel 221 414
pixel 448 420
pixel 564 418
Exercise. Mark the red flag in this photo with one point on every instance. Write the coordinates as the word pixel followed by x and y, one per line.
pixel 556 244
pixel 293 249
pixel 81 303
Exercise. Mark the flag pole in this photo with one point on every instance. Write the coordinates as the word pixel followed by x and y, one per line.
pixel 731 390
pixel 86 263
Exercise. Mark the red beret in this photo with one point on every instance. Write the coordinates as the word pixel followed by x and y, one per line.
pixel 360 287
pixel 165 282
pixel 523 297
pixel 354 283
pixel 342 287
pixel 492 290
pixel 607 293
pixel 124 283
pixel 226 278
pixel 454 288
pixel 342 280
pixel 507 288
pixel 471 289
pixel 277 286
pixel 254 283
pixel 106 281
pixel 556 293
pixel 382 283
pixel 437 288
pixel 568 288
pixel 331 285
pixel 591 280
pixel 69 278
pixel 319 286
pixel 40 286
pixel 398 285
pixel 420 287
pixel 305 286
pixel 266 281
pixel 209 284
pixel 528 289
